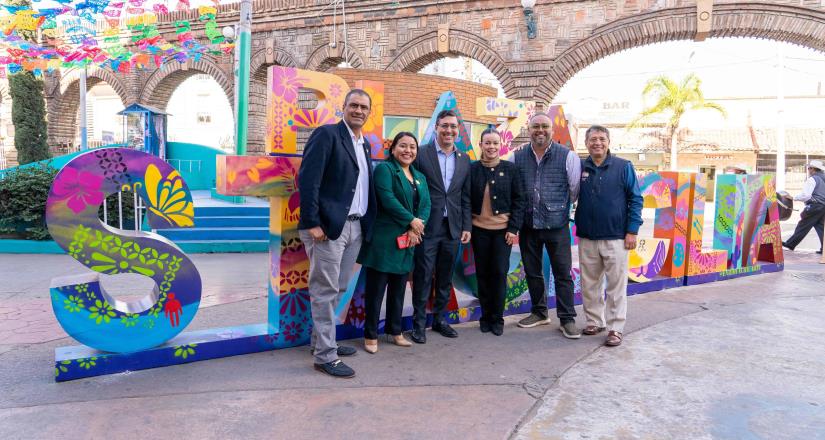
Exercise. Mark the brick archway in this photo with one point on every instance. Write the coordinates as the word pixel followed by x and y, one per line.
pixel 159 88
pixel 757 20
pixel 421 51
pixel 324 58
pixel 257 94
pixel 64 128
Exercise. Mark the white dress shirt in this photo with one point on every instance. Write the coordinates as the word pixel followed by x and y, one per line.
pixel 361 198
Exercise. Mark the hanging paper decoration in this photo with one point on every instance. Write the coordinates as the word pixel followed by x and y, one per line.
pixel 119 35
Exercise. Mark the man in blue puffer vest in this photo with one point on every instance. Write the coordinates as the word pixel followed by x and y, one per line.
pixel 550 173
pixel 608 218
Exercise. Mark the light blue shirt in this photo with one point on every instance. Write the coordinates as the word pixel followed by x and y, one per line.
pixel 447 165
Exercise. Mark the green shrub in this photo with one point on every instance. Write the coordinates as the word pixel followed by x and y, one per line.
pixel 23 194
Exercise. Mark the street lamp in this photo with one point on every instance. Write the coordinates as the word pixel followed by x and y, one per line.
pixel 529 17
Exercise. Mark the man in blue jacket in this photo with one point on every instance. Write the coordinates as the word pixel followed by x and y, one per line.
pixel 338 208
pixel 608 218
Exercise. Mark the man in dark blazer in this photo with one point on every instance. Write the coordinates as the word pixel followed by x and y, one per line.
pixel 338 208
pixel 448 179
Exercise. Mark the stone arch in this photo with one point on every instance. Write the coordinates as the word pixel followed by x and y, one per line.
pixel 790 24
pixel 325 58
pixel 257 94
pixel 94 76
pixel 423 50
pixel 63 123
pixel 164 81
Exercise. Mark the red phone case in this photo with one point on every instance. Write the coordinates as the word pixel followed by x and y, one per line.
pixel 403 241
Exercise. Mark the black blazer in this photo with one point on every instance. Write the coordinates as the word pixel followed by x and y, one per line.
pixel 507 193
pixel 326 181
pixel 456 197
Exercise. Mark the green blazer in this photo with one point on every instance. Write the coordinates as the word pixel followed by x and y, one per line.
pixel 395 212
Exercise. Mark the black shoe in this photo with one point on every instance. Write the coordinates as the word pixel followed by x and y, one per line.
pixel 445 330
pixel 497 329
pixel 484 326
pixel 336 368
pixel 785 245
pixel 819 252
pixel 344 350
pixel 418 336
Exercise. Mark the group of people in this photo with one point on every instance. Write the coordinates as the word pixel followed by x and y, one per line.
pixel 412 212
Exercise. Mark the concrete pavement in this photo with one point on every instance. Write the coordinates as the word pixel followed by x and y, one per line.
pixel 736 359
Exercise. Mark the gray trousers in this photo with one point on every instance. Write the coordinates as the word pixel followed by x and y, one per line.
pixel 331 265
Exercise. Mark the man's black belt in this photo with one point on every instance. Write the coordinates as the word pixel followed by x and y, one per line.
pixel 353 218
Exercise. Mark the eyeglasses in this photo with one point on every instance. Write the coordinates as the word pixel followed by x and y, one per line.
pixel 448 126
pixel 540 126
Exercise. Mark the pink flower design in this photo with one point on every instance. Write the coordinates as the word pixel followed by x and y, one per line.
pixel 506 141
pixel 335 90
pixel 292 331
pixel 81 188
pixel 287 83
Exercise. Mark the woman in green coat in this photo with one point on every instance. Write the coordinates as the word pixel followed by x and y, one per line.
pixel 403 209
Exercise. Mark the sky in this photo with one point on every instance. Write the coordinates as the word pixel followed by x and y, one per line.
pixel 728 68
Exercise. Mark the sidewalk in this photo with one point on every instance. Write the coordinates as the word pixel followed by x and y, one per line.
pixel 737 359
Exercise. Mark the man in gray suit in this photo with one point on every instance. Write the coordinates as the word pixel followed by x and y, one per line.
pixel 448 179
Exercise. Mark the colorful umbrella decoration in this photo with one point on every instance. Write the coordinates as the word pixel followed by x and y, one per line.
pixel 119 35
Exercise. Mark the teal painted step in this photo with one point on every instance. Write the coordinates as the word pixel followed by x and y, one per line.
pixel 224 229
pixel 29 247
pixel 232 221
pixel 215 234
pixel 235 246
pixel 232 211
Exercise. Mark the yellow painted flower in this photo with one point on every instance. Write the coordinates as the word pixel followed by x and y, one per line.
pixel 167 197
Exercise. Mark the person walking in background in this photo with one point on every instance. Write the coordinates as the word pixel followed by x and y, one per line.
pixel 497 200
pixel 813 194
pixel 403 210
pixel 608 218
pixel 551 174
pixel 337 212
pixel 448 176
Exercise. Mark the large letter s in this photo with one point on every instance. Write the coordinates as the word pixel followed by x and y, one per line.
pixel 82 307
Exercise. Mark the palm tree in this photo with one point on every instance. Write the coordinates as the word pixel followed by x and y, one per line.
pixel 673 100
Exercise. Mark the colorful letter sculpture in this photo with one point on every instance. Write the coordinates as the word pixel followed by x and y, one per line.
pixel 701 262
pixel 746 235
pixel 81 305
pixel 447 102
pixel 142 334
pixel 647 260
pixel 516 114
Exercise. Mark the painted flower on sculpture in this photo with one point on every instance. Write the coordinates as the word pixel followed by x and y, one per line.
pixel 292 331
pixel 312 118
pixel 80 188
pixel 167 197
pixel 294 301
pixel 335 90
pixel 73 304
pixel 286 83
pixel 105 264
pixel 101 312
pixel 184 351
pixel 87 363
pixel 506 141
pixel 129 320
pixel 62 367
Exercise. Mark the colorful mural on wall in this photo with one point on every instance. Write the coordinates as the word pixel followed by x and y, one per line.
pixel 136 335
